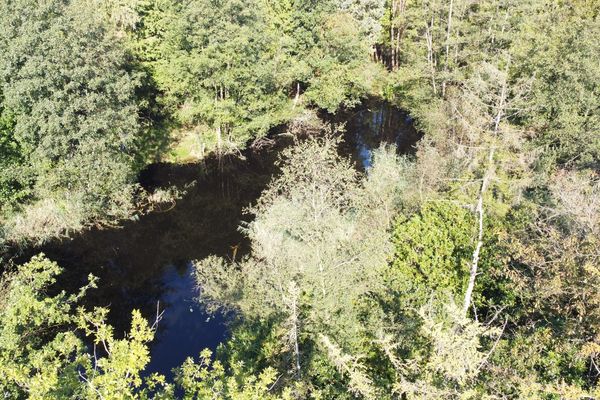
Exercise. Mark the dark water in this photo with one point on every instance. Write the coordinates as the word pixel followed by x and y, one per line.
pixel 375 123
pixel 146 264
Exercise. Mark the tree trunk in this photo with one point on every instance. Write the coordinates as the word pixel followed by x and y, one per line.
pixel 397 51
pixel 448 30
pixel 297 94
pixel 480 213
pixel 479 209
pixel 430 56
pixel 392 36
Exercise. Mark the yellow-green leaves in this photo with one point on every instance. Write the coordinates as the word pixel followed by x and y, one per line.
pixel 117 375
pixel 38 353
pixel 207 379
pixel 44 355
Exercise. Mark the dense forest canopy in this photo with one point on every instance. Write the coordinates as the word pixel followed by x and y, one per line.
pixel 469 269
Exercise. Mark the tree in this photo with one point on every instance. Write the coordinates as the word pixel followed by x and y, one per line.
pixel 432 250
pixel 445 367
pixel 368 14
pixel 14 179
pixel 207 379
pixel 35 359
pixel 214 64
pixel 489 104
pixel 70 98
pixel 319 244
pixel 341 71
pixel 229 71
pixel 42 354
pixel 555 46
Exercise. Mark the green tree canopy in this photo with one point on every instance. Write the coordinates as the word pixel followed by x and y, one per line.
pixel 69 112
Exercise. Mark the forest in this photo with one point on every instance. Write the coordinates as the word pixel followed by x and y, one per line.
pixel 462 262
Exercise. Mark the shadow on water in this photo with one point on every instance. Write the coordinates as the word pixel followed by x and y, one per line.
pixel 373 123
pixel 149 261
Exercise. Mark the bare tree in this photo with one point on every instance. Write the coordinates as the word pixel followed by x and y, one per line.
pixel 499 104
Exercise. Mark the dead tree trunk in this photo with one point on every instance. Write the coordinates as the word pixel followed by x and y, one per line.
pixel 480 214
pixel 430 54
pixel 448 30
pixel 297 97
pixel 480 205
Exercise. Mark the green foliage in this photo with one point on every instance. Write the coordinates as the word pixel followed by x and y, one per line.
pixel 118 375
pixel 432 251
pixel 505 92
pixel 69 98
pixel 368 15
pixel 37 358
pixel 434 46
pixel 215 68
pixel 206 379
pixel 557 48
pixel 233 69
pixel 42 354
pixel 453 359
pixel 14 182
pixel 354 284
pixel 340 76
pixel 319 244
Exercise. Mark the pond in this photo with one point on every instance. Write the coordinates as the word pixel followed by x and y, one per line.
pixel 146 264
